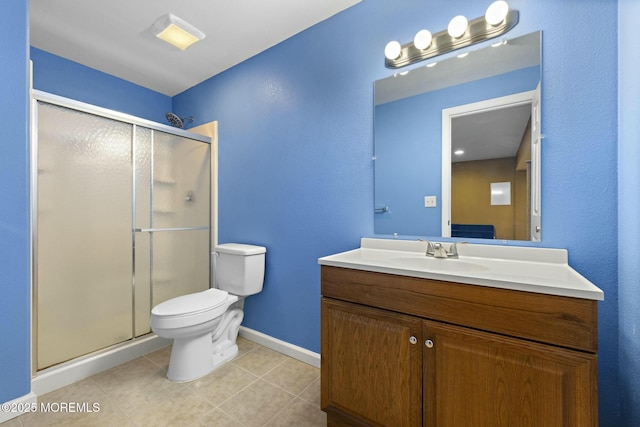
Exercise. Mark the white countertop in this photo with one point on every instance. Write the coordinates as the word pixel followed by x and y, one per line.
pixel 539 270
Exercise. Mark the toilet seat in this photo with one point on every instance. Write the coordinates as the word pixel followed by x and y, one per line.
pixel 191 309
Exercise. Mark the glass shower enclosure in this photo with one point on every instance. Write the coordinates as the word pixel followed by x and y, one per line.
pixel 121 222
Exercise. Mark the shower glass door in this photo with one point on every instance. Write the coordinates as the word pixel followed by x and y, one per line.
pixel 172 217
pixel 84 235
pixel 121 223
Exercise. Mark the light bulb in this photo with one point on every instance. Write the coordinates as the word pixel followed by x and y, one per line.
pixel 496 12
pixel 393 50
pixel 422 40
pixel 457 26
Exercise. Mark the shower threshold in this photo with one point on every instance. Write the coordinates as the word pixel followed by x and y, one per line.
pixel 69 372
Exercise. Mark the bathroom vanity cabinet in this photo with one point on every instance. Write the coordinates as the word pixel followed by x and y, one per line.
pixel 408 351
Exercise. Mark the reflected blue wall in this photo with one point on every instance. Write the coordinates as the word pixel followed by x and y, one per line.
pixel 408 150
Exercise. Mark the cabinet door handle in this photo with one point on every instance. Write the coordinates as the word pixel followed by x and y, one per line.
pixel 413 340
pixel 428 343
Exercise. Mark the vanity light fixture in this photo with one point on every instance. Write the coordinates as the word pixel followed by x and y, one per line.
pixel 176 31
pixel 422 40
pixel 458 26
pixel 460 33
pixel 496 12
pixel 392 50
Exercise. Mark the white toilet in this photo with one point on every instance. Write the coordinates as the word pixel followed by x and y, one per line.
pixel 204 325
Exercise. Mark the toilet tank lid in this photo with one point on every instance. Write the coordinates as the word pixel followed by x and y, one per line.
pixel 240 249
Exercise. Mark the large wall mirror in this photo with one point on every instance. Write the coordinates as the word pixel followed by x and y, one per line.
pixel 457 145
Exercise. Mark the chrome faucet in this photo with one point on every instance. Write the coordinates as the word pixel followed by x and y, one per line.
pixel 438 250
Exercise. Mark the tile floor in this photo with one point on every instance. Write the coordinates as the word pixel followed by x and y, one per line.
pixel 260 387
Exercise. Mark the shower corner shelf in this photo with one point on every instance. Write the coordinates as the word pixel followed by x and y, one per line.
pixel 164 212
pixel 163 181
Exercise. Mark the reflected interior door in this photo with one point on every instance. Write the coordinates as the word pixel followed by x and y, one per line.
pixel 84 259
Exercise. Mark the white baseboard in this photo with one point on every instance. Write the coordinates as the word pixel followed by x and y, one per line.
pixel 78 369
pixel 299 353
pixel 16 406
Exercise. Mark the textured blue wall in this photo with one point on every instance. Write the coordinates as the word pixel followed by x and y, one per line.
pixel 408 150
pixel 629 209
pixel 66 78
pixel 296 173
pixel 296 142
pixel 15 318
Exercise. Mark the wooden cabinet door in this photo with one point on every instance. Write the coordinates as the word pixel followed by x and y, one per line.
pixel 371 366
pixel 480 379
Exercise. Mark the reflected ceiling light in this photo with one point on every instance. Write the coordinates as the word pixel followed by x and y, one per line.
pixel 463 55
pixel 392 50
pixel 422 40
pixel 176 31
pixel 500 43
pixel 460 33
pixel 458 152
pixel 432 64
pixel 457 26
pixel 496 12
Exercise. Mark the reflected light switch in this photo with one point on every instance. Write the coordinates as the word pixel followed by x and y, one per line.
pixel 429 201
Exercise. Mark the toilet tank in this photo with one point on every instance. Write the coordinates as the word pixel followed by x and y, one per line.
pixel 239 268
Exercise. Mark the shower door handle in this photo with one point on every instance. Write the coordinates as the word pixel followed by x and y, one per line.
pixel 152 230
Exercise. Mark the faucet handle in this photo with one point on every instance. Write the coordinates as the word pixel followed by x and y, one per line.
pixel 430 249
pixel 453 249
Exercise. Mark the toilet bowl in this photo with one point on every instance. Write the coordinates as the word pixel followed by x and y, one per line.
pixel 204 325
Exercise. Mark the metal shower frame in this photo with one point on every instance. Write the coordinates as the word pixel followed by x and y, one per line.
pixel 44 97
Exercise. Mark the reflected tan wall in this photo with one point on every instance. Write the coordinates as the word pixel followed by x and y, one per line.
pixel 471 194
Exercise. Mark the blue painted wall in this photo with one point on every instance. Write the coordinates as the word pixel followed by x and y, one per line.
pixel 62 77
pixel 14 203
pixel 408 150
pixel 296 173
pixel 296 143
pixel 629 209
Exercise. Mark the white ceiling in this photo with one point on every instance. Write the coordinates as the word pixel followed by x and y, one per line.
pixel 489 135
pixel 113 35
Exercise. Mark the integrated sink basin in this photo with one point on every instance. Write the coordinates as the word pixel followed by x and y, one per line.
pixel 529 269
pixel 437 264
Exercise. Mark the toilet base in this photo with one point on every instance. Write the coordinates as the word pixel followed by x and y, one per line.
pixel 195 357
pixel 191 358
pixel 225 355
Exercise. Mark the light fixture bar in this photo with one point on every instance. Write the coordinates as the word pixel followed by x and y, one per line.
pixel 478 30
